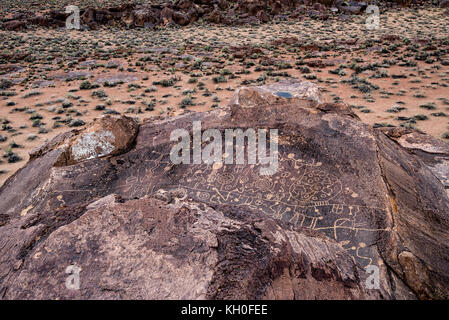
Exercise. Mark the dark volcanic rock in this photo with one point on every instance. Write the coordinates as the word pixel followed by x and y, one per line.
pixel 14 25
pixel 444 4
pixel 352 9
pixel 167 15
pixel 143 246
pixel 105 136
pixel 344 197
pixel 433 152
pixel 182 12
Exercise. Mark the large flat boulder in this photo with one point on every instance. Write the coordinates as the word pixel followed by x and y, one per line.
pixel 105 136
pixel 284 91
pixel 352 196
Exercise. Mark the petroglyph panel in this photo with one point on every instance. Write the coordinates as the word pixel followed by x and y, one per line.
pixel 301 192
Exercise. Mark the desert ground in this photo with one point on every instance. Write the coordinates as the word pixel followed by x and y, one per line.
pixel 397 75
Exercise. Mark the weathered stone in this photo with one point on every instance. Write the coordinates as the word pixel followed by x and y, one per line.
pixel 286 40
pixel 116 78
pixel 320 63
pixel 390 37
pixel 144 15
pixel 14 25
pixel 140 17
pixel 262 16
pixel 286 92
pixel 351 9
pixel 433 152
pixel 181 18
pixel 146 244
pixel 42 84
pixel 215 16
pixel 22 15
pixel 58 15
pixel 71 75
pixel 184 4
pixel 167 15
pixel 184 12
pixel 88 63
pixel 106 136
pixel 12 69
pixel 276 8
pixel 344 197
pixel 245 51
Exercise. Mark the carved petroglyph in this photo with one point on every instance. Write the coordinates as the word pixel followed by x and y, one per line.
pixel 302 192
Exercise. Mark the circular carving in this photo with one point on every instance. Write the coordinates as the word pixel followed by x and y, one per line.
pixel 315 185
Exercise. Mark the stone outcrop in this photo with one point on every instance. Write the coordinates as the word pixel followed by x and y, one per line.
pixel 281 92
pixel 144 246
pixel 106 136
pixel 345 197
pixel 184 12
pixel 433 152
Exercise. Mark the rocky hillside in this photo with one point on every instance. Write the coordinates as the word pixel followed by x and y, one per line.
pixel 183 12
pixel 108 200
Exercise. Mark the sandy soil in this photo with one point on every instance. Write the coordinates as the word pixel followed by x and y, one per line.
pixel 399 81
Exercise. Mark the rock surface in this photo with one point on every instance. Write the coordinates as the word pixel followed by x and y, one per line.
pixel 184 12
pixel 345 197
pixel 433 152
pixel 143 246
pixel 444 4
pixel 106 136
pixel 284 91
